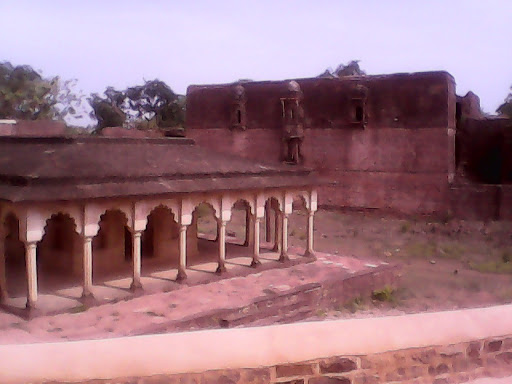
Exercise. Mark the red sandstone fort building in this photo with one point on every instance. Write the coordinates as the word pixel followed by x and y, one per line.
pixel 401 142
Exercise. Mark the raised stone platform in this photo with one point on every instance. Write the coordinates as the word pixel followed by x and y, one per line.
pixel 291 292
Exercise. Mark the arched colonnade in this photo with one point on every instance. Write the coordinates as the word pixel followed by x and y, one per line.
pixel 69 235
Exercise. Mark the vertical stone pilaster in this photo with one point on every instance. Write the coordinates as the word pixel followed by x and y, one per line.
pixel 3 273
pixel 277 232
pixel 182 274
pixel 309 249
pixel 136 260
pixel 31 264
pixel 87 267
pixel 248 231
pixel 268 229
pixel 222 247
pixel 284 238
pixel 256 243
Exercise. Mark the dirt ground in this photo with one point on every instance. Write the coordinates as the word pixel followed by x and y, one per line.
pixel 445 265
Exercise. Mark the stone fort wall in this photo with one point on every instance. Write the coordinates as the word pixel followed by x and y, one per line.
pixel 400 155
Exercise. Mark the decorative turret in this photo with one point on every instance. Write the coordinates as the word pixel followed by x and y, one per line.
pixel 360 95
pixel 238 111
pixel 293 123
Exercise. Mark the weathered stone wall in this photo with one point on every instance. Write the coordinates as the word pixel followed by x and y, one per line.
pixel 481 202
pixel 442 347
pixel 451 364
pixel 34 128
pixel 401 160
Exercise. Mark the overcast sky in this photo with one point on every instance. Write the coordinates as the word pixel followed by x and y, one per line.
pixel 120 43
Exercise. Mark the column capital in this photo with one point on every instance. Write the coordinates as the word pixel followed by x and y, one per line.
pixel 30 244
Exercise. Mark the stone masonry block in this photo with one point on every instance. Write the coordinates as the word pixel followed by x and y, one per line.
pixel 338 365
pixel 185 378
pixel 451 351
pixel 289 370
pixel 296 381
pixel 329 380
pixel 493 345
pixel 423 356
pixel 506 357
pixel 221 377
pixel 256 376
pixel 507 344
pixel 474 348
pixel 366 378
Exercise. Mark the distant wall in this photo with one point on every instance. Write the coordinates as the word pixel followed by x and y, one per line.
pixel 33 128
pixel 484 150
pixel 402 160
pixel 134 133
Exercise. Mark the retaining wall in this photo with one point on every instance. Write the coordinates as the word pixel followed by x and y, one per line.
pixel 443 347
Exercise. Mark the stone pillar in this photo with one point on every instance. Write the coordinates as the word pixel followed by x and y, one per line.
pixel 256 243
pixel 182 274
pixel 268 229
pixel 3 273
pixel 136 260
pixel 31 264
pixel 87 267
pixel 248 223
pixel 309 248
pixel 221 228
pixel 277 232
pixel 284 238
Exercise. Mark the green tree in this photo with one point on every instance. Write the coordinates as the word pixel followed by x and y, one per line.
pixel 342 70
pixel 151 105
pixel 505 109
pixel 156 100
pixel 108 110
pixel 26 95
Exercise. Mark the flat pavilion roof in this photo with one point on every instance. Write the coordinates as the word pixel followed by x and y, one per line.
pixel 71 168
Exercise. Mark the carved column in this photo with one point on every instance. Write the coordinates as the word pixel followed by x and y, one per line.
pixel 31 264
pixel 256 243
pixel 268 229
pixel 222 247
pixel 182 274
pixel 309 247
pixel 284 238
pixel 3 275
pixel 248 223
pixel 277 231
pixel 136 260
pixel 87 267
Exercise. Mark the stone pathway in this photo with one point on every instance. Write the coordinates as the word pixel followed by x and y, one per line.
pixel 132 317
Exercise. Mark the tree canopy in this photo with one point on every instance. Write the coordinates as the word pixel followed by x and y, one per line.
pixel 152 104
pixel 505 109
pixel 26 95
pixel 342 70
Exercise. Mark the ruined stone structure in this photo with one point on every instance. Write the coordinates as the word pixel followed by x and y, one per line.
pixel 389 142
pixel 65 202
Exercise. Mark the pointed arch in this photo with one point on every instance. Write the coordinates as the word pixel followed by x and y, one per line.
pixel 60 250
pixel 112 245
pixel 160 238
